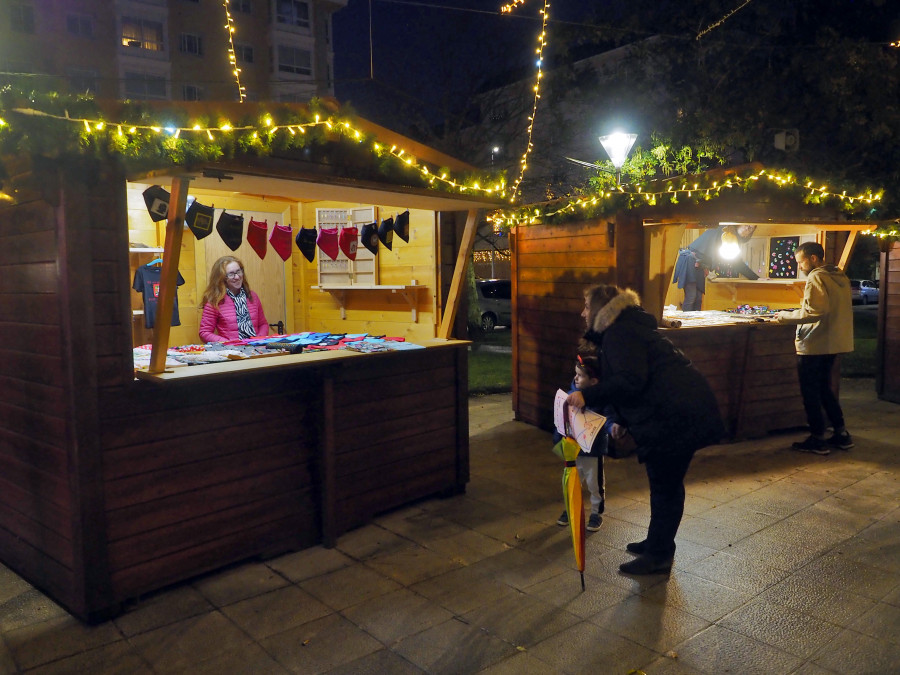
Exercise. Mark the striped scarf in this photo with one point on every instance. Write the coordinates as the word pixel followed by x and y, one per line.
pixel 245 325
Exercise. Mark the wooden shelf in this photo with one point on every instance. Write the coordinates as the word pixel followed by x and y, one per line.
pixel 408 291
pixel 146 250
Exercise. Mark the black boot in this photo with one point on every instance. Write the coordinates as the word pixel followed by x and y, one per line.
pixel 636 546
pixel 647 564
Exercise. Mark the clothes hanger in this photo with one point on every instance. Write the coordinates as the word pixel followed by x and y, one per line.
pixel 158 261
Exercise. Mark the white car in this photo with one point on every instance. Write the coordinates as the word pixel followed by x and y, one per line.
pixel 863 291
pixel 494 302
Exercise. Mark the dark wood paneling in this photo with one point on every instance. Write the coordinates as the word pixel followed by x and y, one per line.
pixel 271 537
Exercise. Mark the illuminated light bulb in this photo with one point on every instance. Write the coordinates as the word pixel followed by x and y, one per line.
pixel 2 122
pixel 118 127
pixel 302 130
pixel 171 130
pixel 156 129
pixel 132 130
pixel 293 133
pixel 99 126
pixel 730 248
pixel 209 134
pixel 225 127
pixel 177 133
pixel 87 126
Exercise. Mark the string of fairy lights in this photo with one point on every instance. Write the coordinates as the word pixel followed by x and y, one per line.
pixel 541 44
pixel 636 195
pixel 491 188
pixel 232 57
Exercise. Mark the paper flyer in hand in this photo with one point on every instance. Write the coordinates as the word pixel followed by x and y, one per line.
pixel 583 425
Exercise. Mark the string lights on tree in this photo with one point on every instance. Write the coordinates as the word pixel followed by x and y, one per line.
pixel 232 57
pixel 542 42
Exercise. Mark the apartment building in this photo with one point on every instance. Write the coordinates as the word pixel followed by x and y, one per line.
pixel 181 50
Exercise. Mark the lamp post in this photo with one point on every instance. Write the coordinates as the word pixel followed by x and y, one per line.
pixel 494 150
pixel 617 146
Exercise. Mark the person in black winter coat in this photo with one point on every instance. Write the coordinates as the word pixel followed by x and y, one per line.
pixel 659 398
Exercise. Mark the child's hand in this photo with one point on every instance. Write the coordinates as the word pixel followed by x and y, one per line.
pixel 575 399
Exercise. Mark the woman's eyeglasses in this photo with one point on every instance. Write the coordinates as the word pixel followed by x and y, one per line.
pixel 235 275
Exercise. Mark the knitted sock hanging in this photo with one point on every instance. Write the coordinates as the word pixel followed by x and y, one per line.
pixel 306 242
pixel 231 228
pixel 349 241
pixel 281 240
pixel 256 236
pixel 328 241
pixel 369 237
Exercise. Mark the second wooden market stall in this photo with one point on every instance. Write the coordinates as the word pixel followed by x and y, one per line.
pixel 750 363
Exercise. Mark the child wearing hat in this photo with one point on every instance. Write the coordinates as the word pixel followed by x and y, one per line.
pixel 589 465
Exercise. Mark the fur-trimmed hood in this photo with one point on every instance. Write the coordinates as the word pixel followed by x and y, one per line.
pixel 612 309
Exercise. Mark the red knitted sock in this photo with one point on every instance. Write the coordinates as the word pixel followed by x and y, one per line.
pixel 281 240
pixel 328 241
pixel 256 236
pixel 349 240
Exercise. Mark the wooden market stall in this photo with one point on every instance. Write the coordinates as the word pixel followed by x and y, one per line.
pixel 113 486
pixel 887 381
pixel 750 363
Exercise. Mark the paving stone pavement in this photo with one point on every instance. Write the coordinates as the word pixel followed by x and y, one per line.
pixel 786 563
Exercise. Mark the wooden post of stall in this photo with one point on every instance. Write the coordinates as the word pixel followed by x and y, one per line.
pixel 168 282
pixel 459 273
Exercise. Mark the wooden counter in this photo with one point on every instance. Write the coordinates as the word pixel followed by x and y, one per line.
pixel 212 464
pixel 752 368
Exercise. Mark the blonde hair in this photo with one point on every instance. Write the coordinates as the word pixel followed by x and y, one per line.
pixel 216 289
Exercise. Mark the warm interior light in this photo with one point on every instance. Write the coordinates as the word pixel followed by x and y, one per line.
pixel 730 248
pixel 617 146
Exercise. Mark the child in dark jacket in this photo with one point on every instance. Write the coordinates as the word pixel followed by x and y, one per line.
pixel 589 465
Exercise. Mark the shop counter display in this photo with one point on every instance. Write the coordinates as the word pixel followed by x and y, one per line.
pixel 210 464
pixel 750 363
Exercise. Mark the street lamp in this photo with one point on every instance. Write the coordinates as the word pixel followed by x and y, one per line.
pixel 494 150
pixel 617 146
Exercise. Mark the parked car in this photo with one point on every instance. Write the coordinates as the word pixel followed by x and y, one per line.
pixel 864 291
pixel 494 302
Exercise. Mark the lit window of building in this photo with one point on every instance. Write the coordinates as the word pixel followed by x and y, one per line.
pixel 142 34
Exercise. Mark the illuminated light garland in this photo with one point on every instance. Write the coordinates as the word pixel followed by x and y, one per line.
pixel 232 57
pixel 542 42
pixel 344 127
pixel 895 44
pixel 638 196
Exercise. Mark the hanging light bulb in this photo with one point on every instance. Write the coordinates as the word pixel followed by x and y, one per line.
pixel 730 248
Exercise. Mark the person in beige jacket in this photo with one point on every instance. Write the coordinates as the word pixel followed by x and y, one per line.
pixel 824 330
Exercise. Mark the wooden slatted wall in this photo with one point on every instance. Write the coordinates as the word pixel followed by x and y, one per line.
pixel 888 374
pixel 552 266
pixel 203 473
pixel 35 496
pixel 422 445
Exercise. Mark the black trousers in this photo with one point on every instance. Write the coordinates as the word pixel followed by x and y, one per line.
pixel 666 473
pixel 815 387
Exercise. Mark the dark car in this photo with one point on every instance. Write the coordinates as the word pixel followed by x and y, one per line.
pixel 494 302
pixel 864 291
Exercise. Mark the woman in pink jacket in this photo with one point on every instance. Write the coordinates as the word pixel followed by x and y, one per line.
pixel 231 311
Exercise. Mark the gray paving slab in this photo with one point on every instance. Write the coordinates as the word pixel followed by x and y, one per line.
pixel 786 563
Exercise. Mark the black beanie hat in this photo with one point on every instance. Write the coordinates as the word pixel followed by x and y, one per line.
pixel 231 229
pixel 386 232
pixel 306 242
pixel 368 236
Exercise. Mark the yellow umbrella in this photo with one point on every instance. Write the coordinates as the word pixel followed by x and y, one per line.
pixel 568 449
